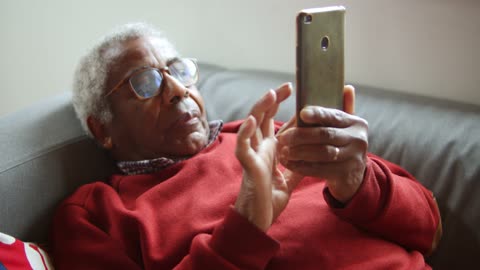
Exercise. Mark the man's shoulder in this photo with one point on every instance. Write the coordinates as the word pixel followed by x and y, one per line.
pixel 84 193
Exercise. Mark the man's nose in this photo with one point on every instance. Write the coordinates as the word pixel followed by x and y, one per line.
pixel 174 91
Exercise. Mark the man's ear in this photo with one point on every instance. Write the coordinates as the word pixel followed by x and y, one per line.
pixel 100 132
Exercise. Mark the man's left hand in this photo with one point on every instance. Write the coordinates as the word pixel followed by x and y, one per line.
pixel 334 150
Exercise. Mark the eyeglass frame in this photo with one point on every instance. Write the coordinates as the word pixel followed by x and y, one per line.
pixel 160 70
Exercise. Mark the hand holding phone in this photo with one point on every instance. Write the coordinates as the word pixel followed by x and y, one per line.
pixel 334 145
pixel 320 58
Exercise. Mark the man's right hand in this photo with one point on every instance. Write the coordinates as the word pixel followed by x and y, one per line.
pixel 265 190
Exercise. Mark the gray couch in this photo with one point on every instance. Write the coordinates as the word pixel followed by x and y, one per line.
pixel 45 154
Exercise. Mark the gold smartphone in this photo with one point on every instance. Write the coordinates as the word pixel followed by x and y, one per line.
pixel 320 58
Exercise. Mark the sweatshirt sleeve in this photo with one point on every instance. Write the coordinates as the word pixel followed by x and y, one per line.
pixel 393 205
pixel 78 244
pixel 234 244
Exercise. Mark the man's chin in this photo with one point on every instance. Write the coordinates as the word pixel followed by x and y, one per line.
pixel 192 144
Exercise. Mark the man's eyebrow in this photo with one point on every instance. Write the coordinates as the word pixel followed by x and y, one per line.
pixel 129 73
pixel 172 60
pixel 169 61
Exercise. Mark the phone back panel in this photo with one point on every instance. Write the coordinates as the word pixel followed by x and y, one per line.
pixel 320 58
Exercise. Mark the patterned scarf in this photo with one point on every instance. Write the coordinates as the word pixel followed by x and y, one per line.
pixel 157 164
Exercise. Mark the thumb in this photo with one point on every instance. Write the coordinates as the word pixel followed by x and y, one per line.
pixel 292 179
pixel 349 99
pixel 291 123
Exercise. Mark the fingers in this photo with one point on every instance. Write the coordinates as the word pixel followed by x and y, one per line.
pixel 291 123
pixel 322 153
pixel 321 116
pixel 314 135
pixel 258 112
pixel 324 170
pixel 268 105
pixel 265 109
pixel 349 99
pixel 343 178
pixel 244 151
pixel 282 93
pixel 244 135
pixel 315 153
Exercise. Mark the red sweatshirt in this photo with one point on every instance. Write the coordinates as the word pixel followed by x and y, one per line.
pixel 182 218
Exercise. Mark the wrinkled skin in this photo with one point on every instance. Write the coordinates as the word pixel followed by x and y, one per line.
pixel 167 125
pixel 335 150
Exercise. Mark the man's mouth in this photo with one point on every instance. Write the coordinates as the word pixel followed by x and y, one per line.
pixel 188 118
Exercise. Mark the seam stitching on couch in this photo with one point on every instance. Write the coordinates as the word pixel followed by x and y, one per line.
pixel 41 153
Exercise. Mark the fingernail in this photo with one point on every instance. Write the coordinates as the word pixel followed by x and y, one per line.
pixel 307 112
pixel 272 93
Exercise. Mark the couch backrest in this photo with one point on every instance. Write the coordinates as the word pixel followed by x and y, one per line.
pixel 437 141
pixel 45 154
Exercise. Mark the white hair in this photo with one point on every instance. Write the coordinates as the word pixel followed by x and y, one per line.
pixel 91 74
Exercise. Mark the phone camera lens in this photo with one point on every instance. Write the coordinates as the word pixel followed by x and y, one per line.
pixel 307 19
pixel 325 42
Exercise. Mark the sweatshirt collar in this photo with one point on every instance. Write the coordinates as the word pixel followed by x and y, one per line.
pixel 154 165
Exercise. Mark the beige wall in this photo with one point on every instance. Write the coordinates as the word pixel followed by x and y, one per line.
pixel 430 47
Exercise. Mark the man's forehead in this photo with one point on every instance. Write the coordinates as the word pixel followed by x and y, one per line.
pixel 132 54
pixel 163 47
pixel 142 49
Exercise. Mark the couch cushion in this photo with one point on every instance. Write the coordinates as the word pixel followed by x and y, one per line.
pixel 45 156
pixel 438 142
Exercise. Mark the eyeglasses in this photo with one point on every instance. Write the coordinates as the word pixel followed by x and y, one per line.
pixel 147 82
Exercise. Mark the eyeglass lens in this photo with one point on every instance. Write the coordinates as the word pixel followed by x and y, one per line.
pixel 147 83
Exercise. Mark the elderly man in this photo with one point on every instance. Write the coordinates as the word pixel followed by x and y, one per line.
pixel 194 194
